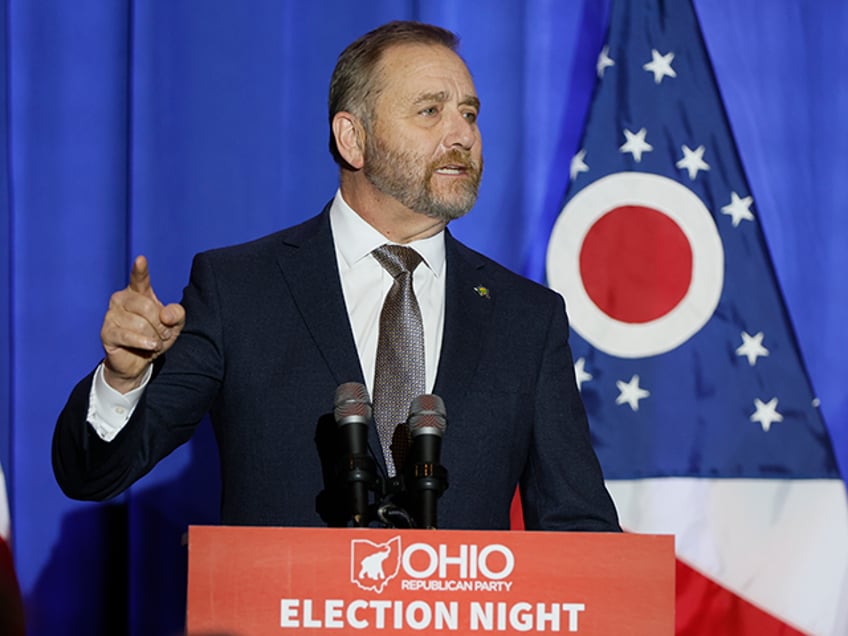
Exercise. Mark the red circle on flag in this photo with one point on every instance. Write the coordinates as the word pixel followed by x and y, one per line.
pixel 689 274
pixel 636 264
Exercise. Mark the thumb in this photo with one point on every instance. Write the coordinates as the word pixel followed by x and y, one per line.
pixel 172 315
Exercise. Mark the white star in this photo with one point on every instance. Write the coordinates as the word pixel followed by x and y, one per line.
pixel 739 209
pixel 630 392
pixel 578 165
pixel 636 144
pixel 580 373
pixel 752 347
pixel 660 66
pixel 766 414
pixel 693 160
pixel 604 61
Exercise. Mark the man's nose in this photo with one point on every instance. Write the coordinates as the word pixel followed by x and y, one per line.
pixel 460 131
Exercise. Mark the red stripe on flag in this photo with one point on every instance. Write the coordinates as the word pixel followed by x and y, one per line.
pixel 516 513
pixel 705 608
pixel 11 605
pixel 702 606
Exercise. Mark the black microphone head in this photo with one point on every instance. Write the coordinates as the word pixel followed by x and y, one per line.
pixel 352 403
pixel 427 416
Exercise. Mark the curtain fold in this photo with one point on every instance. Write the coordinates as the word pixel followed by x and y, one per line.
pixel 5 258
pixel 67 148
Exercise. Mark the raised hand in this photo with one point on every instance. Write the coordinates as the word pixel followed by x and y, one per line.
pixel 137 329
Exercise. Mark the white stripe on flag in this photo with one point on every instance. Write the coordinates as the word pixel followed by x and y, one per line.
pixel 780 544
pixel 5 521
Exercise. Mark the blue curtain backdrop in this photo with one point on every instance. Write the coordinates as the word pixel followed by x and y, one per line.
pixel 166 127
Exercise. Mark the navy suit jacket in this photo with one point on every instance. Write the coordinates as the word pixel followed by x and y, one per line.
pixel 267 340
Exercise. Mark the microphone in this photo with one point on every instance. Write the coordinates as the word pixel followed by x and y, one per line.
pixel 426 478
pixel 352 411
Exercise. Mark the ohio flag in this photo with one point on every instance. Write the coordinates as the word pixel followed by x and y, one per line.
pixel 701 411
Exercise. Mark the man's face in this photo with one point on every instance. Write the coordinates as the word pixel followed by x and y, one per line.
pixel 423 146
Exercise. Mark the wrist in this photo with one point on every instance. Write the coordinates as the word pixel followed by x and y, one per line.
pixel 121 382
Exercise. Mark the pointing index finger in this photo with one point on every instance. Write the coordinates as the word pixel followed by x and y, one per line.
pixel 140 279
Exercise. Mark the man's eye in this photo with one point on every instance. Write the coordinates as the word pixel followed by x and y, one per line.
pixel 430 111
pixel 471 117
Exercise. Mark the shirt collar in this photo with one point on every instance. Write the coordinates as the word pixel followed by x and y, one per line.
pixel 360 238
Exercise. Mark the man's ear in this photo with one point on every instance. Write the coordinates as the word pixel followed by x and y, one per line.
pixel 350 138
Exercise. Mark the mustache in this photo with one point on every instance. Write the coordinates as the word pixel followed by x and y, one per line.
pixel 456 157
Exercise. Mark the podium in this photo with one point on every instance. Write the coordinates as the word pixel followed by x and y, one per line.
pixel 246 581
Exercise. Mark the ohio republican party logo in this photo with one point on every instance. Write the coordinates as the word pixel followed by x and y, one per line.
pixel 640 262
pixel 373 565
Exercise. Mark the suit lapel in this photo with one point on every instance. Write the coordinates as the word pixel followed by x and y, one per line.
pixel 469 303
pixel 307 260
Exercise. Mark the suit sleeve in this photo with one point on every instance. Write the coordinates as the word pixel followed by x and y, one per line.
pixel 181 390
pixel 562 486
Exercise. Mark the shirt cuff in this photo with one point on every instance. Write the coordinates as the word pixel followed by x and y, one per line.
pixel 108 409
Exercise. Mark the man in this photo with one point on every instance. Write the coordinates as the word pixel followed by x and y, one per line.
pixel 266 331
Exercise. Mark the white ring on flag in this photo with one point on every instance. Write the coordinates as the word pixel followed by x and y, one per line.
pixel 676 201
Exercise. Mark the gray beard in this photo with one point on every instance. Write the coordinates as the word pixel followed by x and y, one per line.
pixel 388 172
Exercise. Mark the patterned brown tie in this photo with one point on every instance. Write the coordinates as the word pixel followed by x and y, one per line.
pixel 399 375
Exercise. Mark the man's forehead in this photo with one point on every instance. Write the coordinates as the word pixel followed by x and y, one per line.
pixel 422 69
pixel 418 51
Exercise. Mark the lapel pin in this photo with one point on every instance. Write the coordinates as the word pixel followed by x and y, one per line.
pixel 482 292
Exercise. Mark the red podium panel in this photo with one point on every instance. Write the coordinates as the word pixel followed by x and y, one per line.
pixel 249 581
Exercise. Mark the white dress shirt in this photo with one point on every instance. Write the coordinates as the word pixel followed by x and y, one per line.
pixel 364 284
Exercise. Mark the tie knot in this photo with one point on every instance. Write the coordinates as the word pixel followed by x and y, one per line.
pixel 397 259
